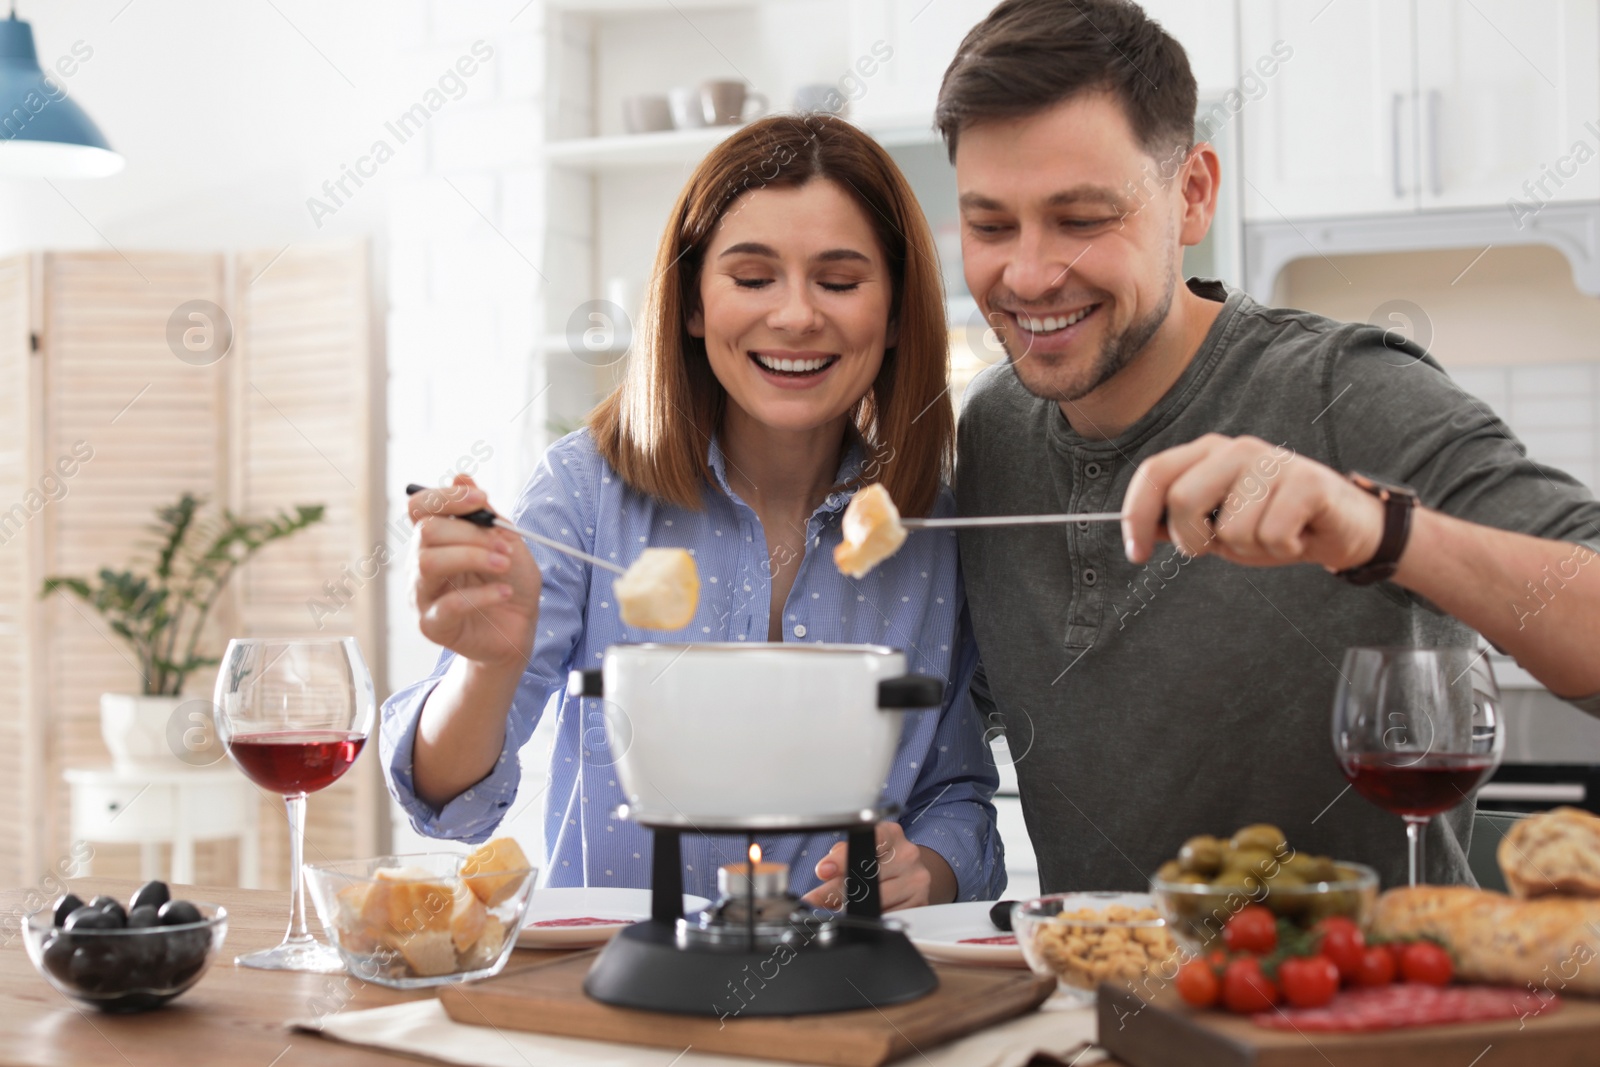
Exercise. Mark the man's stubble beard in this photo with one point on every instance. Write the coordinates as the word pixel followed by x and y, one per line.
pixel 1117 352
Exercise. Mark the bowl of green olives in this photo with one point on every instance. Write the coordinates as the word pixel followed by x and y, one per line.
pixel 1214 877
pixel 124 959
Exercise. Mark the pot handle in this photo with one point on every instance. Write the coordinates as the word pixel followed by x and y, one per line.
pixel 909 692
pixel 585 684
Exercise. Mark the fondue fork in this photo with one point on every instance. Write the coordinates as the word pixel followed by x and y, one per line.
pixel 1011 520
pixel 484 517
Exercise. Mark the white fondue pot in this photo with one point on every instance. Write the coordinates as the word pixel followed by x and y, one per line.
pixel 753 736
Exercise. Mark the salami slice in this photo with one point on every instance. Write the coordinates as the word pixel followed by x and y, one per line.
pixel 583 920
pixel 1410 1004
pixel 998 939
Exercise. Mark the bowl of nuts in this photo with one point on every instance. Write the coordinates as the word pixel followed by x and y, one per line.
pixel 1084 939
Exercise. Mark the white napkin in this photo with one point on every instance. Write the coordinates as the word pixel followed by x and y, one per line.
pixel 421 1028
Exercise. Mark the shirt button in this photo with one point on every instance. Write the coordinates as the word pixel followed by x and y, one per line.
pixel 1089 576
pixel 800 630
pixel 1092 470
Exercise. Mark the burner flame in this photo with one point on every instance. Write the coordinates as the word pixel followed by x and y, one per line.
pixel 755 855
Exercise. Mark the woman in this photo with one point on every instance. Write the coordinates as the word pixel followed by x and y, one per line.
pixel 794 348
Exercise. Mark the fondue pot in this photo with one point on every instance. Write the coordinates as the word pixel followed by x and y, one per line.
pixel 753 736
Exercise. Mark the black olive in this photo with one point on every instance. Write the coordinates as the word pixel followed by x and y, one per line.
pixel 185 955
pixel 144 915
pixel 154 894
pixel 96 967
pixel 90 917
pixel 68 904
pixel 112 906
pixel 58 955
pixel 177 912
pixel 145 956
pixel 1000 914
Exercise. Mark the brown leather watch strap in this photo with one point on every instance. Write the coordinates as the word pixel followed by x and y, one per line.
pixel 1398 504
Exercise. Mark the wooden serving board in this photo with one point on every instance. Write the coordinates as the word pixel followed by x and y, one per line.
pixel 549 999
pixel 1163 1031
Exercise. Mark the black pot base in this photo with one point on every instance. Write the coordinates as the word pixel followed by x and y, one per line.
pixel 862 965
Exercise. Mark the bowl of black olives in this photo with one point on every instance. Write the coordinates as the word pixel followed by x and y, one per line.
pixel 125 958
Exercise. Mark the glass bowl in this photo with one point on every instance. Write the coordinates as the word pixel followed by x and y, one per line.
pixel 124 970
pixel 413 921
pixel 1197 911
pixel 1084 939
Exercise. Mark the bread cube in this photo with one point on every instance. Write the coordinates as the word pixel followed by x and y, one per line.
pixel 660 590
pixel 872 532
pixel 482 868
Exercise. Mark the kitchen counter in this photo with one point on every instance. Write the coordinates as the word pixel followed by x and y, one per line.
pixel 233 1014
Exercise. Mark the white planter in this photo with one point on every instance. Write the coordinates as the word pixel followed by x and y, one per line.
pixel 142 733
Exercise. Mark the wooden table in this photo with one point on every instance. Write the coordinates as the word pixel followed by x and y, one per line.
pixel 233 1015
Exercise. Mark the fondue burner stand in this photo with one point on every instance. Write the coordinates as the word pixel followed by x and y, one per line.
pixel 759 950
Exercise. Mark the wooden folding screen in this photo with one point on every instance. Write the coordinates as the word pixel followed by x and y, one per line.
pixel 92 376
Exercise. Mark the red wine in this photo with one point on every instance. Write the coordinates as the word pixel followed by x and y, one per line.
pixel 1408 785
pixel 295 761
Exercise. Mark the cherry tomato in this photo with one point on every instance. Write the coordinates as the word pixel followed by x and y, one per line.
pixel 1198 984
pixel 1426 962
pixel 1245 989
pixel 1308 981
pixel 1377 966
pixel 1218 959
pixel 1253 929
pixel 1341 942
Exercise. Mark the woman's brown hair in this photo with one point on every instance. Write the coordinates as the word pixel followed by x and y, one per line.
pixel 654 428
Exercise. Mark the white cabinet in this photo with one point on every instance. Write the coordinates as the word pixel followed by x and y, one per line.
pixel 1505 88
pixel 1332 133
pixel 1396 107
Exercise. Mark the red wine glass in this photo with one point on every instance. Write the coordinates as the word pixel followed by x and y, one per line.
pixel 294 714
pixel 1416 730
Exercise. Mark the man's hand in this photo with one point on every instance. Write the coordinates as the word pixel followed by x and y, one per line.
pixel 1250 502
pixel 908 876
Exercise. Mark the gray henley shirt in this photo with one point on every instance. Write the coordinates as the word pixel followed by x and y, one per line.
pixel 1145 704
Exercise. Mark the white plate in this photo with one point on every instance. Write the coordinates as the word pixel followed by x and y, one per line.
pixel 939 930
pixel 627 906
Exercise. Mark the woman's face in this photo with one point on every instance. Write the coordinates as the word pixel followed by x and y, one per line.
pixel 794 304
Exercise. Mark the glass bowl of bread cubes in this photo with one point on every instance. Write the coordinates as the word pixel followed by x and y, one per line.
pixel 409 922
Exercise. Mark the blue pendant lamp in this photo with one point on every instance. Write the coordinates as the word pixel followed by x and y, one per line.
pixel 43 132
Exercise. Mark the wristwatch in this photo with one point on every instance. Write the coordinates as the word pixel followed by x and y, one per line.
pixel 1398 503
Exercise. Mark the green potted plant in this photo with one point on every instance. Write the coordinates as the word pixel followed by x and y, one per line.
pixel 161 609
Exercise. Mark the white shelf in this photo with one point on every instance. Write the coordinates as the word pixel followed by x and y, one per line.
pixel 641 7
pixel 635 149
pixel 684 147
pixel 558 342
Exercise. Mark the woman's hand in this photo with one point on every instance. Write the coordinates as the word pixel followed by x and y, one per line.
pixel 908 876
pixel 476 589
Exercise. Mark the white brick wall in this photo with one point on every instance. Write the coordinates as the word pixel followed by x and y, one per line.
pixel 1554 409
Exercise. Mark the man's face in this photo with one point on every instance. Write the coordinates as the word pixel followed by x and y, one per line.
pixel 1070 239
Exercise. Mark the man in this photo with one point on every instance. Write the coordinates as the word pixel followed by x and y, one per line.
pixel 1154 690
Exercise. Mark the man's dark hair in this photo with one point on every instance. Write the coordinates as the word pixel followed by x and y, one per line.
pixel 1029 55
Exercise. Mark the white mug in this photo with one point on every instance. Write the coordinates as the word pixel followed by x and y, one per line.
pixel 724 102
pixel 646 113
pixel 688 110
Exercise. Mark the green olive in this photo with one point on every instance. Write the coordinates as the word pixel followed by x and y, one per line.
pixel 1169 871
pixel 1201 855
pixel 1259 836
pixel 1303 866
pixel 1250 861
